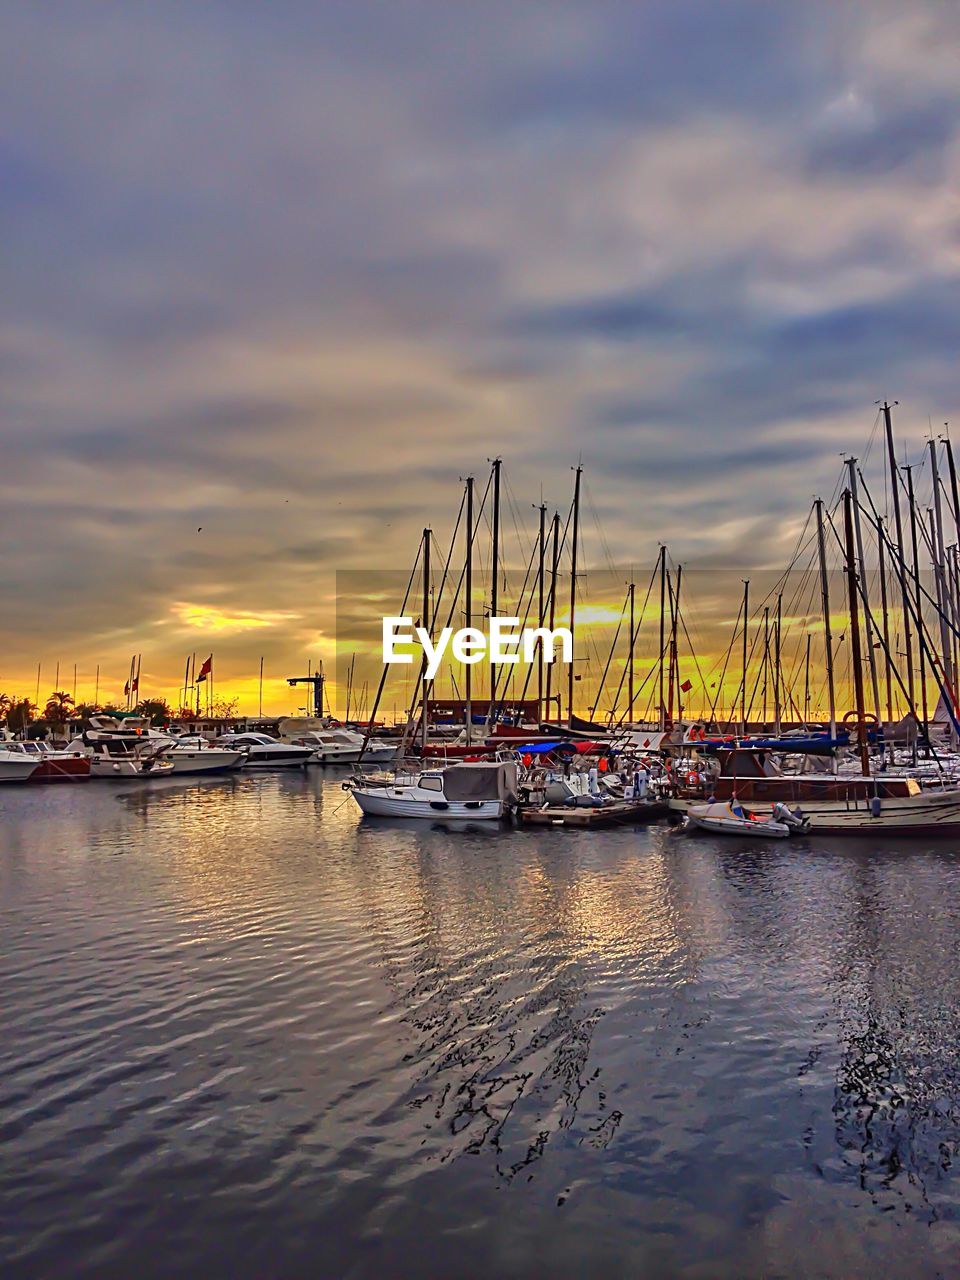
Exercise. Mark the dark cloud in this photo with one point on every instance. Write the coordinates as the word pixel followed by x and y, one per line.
pixel 287 272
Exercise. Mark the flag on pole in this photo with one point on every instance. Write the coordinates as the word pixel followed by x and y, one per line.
pixel 126 690
pixel 686 686
pixel 206 669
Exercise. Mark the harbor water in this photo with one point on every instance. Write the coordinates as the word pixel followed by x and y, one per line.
pixel 246 1033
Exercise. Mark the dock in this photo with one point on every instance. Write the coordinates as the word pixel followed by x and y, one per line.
pixel 619 813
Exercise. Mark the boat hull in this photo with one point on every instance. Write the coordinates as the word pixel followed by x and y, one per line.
pixel 387 806
pixel 205 760
pixel 752 830
pixel 926 814
pixel 270 760
pixel 17 770
pixel 62 769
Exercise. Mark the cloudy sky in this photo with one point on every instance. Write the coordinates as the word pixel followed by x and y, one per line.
pixel 275 276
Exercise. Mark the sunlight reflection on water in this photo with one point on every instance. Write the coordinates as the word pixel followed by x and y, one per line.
pixel 246 1031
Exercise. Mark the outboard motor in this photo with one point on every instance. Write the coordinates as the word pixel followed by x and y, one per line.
pixel 790 818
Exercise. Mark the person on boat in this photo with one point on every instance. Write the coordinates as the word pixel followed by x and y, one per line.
pixel 641 780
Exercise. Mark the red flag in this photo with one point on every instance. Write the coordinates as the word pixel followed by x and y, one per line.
pixel 686 686
pixel 206 669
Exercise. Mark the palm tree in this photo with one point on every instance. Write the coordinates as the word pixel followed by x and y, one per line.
pixel 20 714
pixel 59 707
pixel 6 702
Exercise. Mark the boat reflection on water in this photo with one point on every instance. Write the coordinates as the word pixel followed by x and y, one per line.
pixel 623 1047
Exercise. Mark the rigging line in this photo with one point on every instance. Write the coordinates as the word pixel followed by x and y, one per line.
pixel 899 556
pixel 613 645
pixel 495 680
pixel 604 546
pixel 693 655
pixel 383 676
pixel 733 640
pixel 633 641
pixel 456 594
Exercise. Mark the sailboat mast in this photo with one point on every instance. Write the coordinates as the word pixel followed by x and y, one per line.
pixel 542 549
pixel 862 571
pixel 898 525
pixel 674 647
pixel 918 593
pixel 495 570
pixel 806 683
pixel 746 612
pixel 855 633
pixel 663 599
pixel 554 571
pixel 766 658
pixel 630 694
pixel 944 592
pixel 887 673
pixel 573 588
pixel 825 604
pixel 468 612
pixel 777 674
pixel 424 700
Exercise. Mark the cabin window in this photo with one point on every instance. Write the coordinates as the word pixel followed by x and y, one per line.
pixel 431 784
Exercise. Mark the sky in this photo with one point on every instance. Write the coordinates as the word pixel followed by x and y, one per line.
pixel 275 277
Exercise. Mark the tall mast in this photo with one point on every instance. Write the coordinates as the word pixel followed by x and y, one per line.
pixel 806 684
pixel 825 604
pixel 777 706
pixel 427 626
pixel 542 550
pixel 898 525
pixel 468 613
pixel 554 571
pixel 675 654
pixel 573 588
pixel 918 593
pixel 746 613
pixel 944 593
pixel 855 633
pixel 630 659
pixel 766 657
pixel 862 571
pixel 495 569
pixel 885 621
pixel 663 598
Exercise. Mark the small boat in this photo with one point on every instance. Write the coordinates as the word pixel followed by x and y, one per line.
pixel 477 791
pixel 16 767
pixel 53 765
pixel 263 752
pixel 729 817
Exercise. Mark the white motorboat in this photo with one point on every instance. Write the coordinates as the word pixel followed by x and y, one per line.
pixel 474 791
pixel 15 766
pixel 194 755
pixel 334 743
pixel 263 752
pixel 120 749
pixel 729 817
